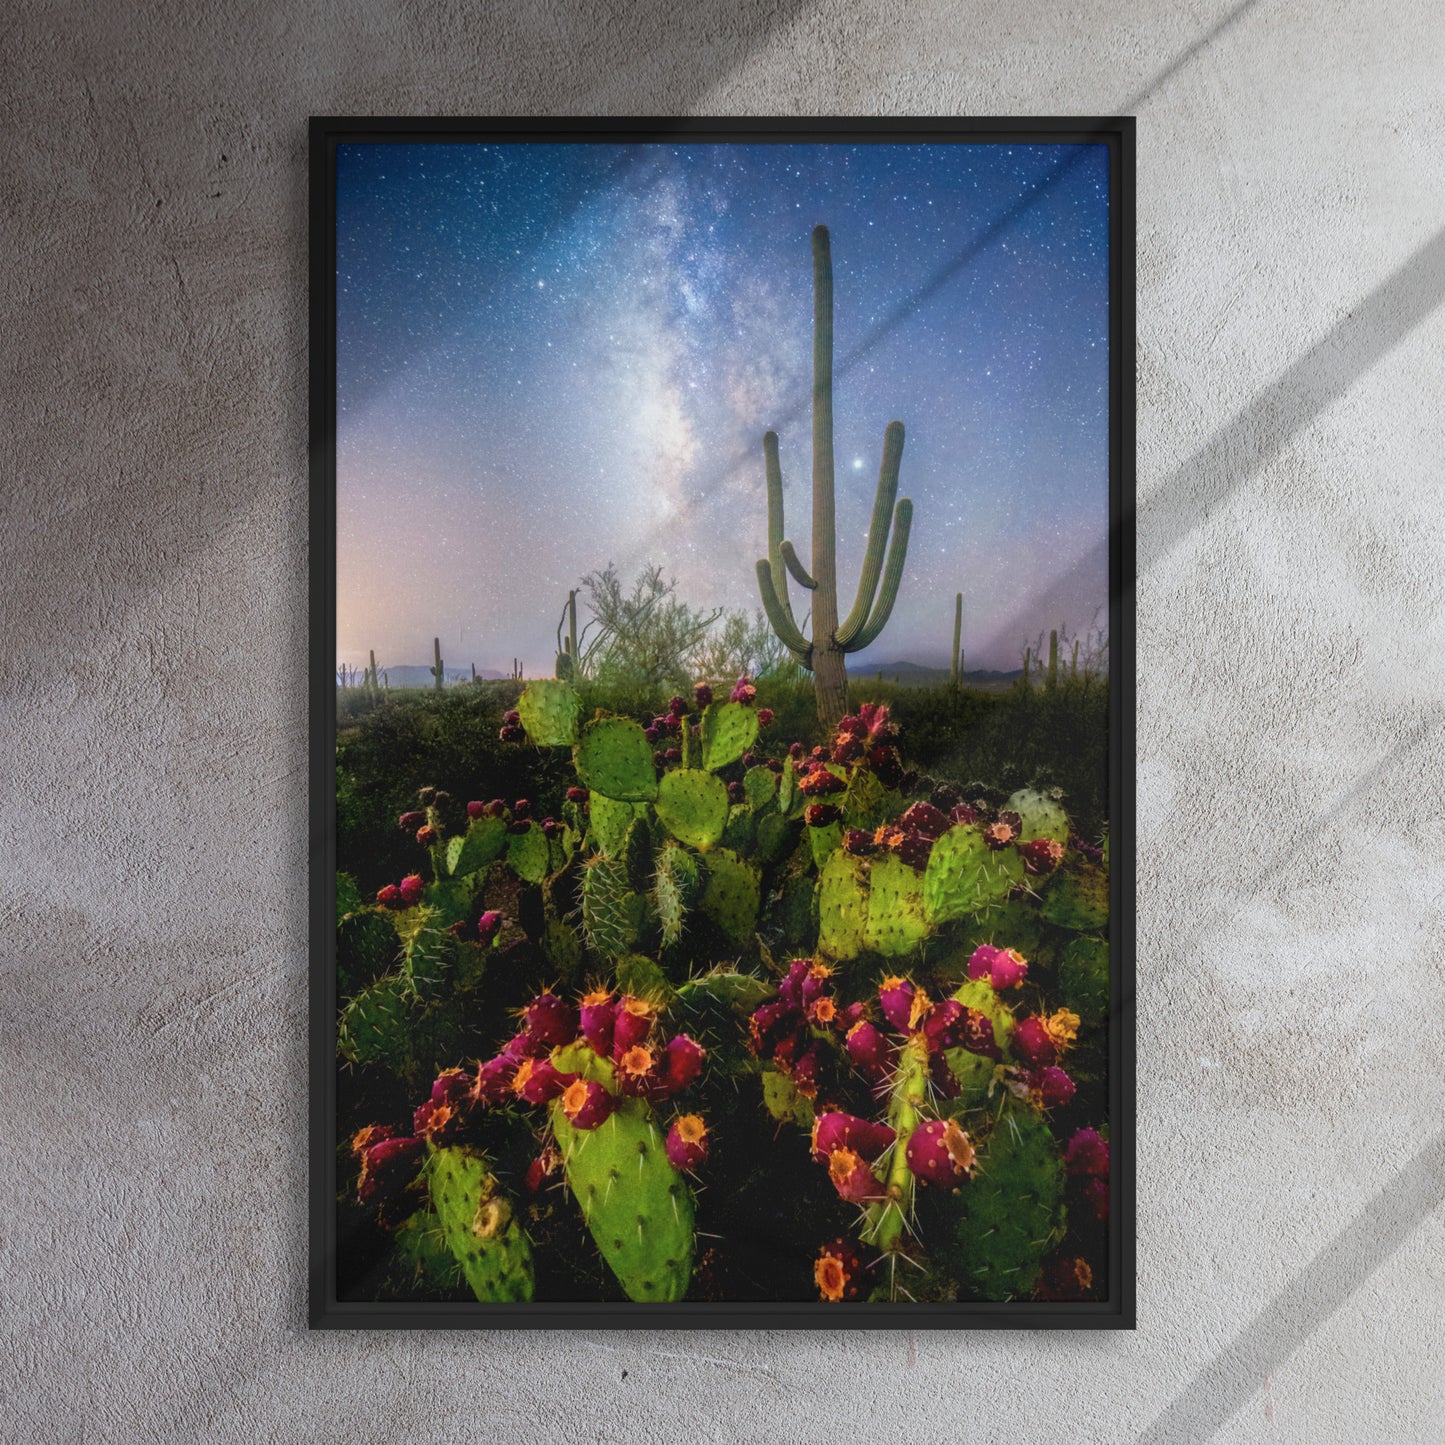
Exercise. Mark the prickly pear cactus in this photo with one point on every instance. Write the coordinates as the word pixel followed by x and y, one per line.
pixel 484 842
pixel 1040 816
pixel 614 757
pixel 612 914
pixel 842 906
pixel 965 875
pixel 675 888
pixel 549 712
pixel 895 924
pixel 731 897
pixel 476 1220
pixel 728 730
pixel 609 822
pixel 1084 978
pixel 528 855
pixel 1078 898
pixel 692 804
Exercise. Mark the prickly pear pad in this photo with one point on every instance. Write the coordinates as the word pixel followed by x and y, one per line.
pixel 614 757
pixel 612 914
pixel 1078 898
pixel 476 1220
pixel 529 854
pixel 895 923
pixel 1084 978
pixel 1039 816
pixel 731 897
pixel 965 875
pixel 692 805
pixel 609 821
pixel 728 730
pixel 481 844
pixel 637 1206
pixel 549 712
pixel 842 906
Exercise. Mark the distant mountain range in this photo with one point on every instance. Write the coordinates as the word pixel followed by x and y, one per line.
pixel 916 674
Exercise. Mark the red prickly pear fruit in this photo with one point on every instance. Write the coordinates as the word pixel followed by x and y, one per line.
pixel 550 1020
pixel 769 1024
pixel 451 1085
pixel 821 815
pixel 687 1143
pixel 633 1022
pixel 408 821
pixel 489 925
pixel 945 1085
pixel 387 1167
pixel 790 991
pixel 496 808
pixel 677 706
pixel 525 1046
pixel 939 1152
pixel 821 782
pixel 914 850
pixel 834 1129
pixel 635 1068
pixel 597 1014
pixel 1007 968
pixel 946 1025
pixel 998 835
pixel 652 733
pixel 1066 1277
pixel 805 1073
pixel 586 1103
pixel 823 1011
pixel 494 1080
pixel 847 750
pixel 858 844
pixel 510 733
pixel 743 690
pixel 389 896
pixel 852 1177
pixel 1032 1043
pixel 426 836
pixel 412 889
pixel 926 819
pixel 703 694
pixel 682 1063
pixel 765 717
pixel 814 982
pixel 1087 1152
pixel 737 793
pixel 475 809
pixel 868 1049
pixel 577 795
pixel 365 1137
pixel 537 1081
pixel 1041 855
pixel 671 755
pixel 839 1271
pixel 512 717
pixel 1096 1192
pixel 1053 1087
pixel 963 813
pixel 521 809
pixel 438 1121
pixel 845 1018
pixel 895 997
pixel 978 1036
pixel 796 751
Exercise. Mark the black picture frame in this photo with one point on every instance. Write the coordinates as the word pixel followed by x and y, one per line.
pixel 326 1311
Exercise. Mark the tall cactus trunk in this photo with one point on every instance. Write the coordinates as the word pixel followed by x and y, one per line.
pixel 1053 676
pixel 957 641
pixel 438 672
pixel 832 640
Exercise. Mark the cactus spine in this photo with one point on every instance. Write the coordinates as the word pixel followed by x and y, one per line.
pixel 437 670
pixel 957 641
pixel 824 654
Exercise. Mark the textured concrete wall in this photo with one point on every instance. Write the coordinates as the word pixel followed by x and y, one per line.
pixel 152 718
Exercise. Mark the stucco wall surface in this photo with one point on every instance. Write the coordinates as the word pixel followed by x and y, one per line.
pixel 153 729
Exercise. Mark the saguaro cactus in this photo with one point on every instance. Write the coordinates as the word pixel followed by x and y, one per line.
pixel 831 641
pixel 567 658
pixel 438 672
pixel 1053 674
pixel 957 641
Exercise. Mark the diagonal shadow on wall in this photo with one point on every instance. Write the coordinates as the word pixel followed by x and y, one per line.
pixel 1234 1375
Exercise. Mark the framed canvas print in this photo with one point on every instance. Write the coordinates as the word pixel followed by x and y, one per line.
pixel 722 788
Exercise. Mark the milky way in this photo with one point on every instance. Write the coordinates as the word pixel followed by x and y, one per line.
pixel 552 357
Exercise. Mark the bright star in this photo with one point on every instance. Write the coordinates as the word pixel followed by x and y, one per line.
pixel 857 464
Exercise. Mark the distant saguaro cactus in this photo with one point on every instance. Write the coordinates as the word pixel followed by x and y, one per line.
pixel 568 662
pixel 1052 679
pixel 957 641
pixel 438 672
pixel 824 654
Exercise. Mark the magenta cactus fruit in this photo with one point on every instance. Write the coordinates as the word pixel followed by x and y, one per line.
pixel 998 835
pixel 387 1167
pixel 839 1271
pixel 1041 855
pixel 511 733
pixel 586 1103
pixel 765 717
pixel 451 1085
pixel 476 808
pixel 1033 1043
pixel 805 1073
pixel 687 1143
pixel 489 925
pixel 963 813
pixel 388 897
pixel 550 1020
pixel 924 818
pixel 1087 1153
pixel 913 849
pixel 682 1063
pixel 636 1069
pixel 633 1022
pixel 858 844
pixel 677 706
pixel 833 1129
pixel 852 1177
pixel 597 1015
pixel 494 1080
pixel 1003 967
pixel 847 750
pixel 1052 1087
pixel 426 836
pixel 538 1081
pixel 945 1082
pixel 946 1025
pixel 542 1168
pixel 577 795
pixel 770 1023
pixel 978 1037
pixel 868 1049
pixel 743 690
pixel 1096 1193
pixel 939 1152
pixel 820 815
pixel 898 998
pixel 703 694
pixel 820 782
pixel 512 717
pixel 411 820
pixel 412 889
pixel 525 1046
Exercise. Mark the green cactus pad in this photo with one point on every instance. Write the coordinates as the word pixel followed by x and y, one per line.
pixel 529 855
pixel 894 924
pixel 731 897
pixel 777 837
pixel 790 800
pixel 965 875
pixel 427 960
pixel 560 945
pixel 482 843
pixel 637 1206
pixel 375 1025
pixel 867 803
pixel 842 906
pixel 795 913
pixel 1010 1212
pixel 760 785
pixel 728 730
pixel 637 854
pixel 366 948
pixel 1039 816
pixel 612 914
pixel 643 978
pixel 674 888
pixel 550 711
pixel 422 1262
pixel 1084 978
pixel 609 821
pixel 476 1221
pixel 1078 898
pixel 444 903
pixel 783 1101
pixel 692 805
pixel 717 992
pixel 615 758
pixel 741 829
pixel 348 896
pixel 824 842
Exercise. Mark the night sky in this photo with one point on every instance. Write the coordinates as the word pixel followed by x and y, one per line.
pixel 553 357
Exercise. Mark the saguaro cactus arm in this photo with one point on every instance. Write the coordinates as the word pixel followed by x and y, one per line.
pixel 781 617
pixel 884 517
pixel 892 576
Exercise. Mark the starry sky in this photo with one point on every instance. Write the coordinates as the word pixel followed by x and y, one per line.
pixel 552 357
